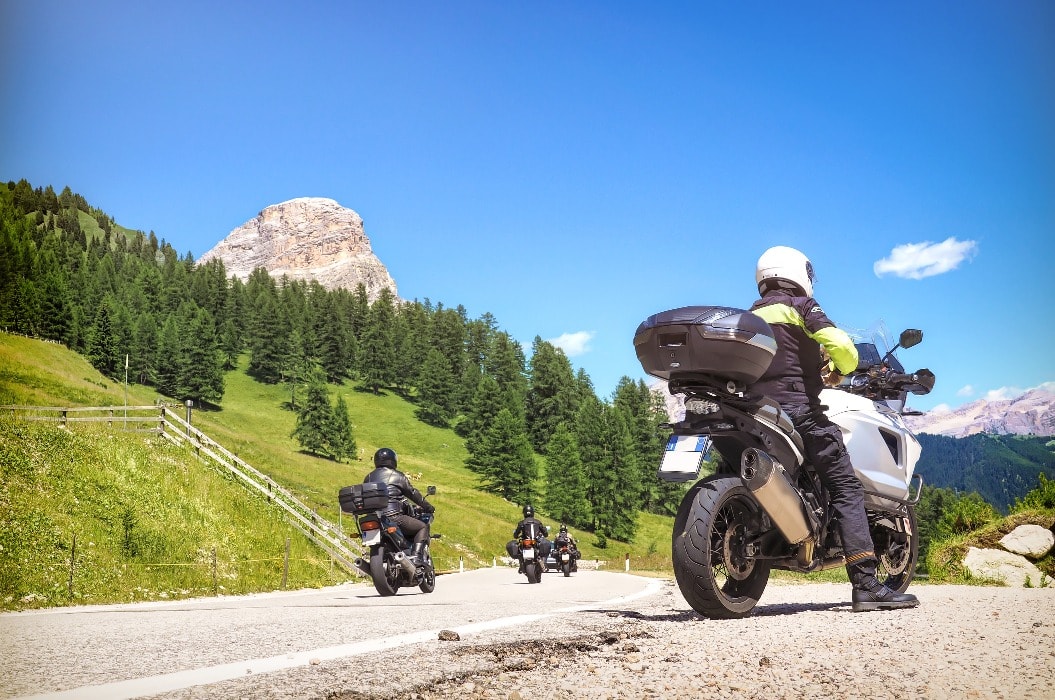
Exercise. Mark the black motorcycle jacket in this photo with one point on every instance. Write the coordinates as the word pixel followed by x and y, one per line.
pixel 801 328
pixel 522 528
pixel 399 489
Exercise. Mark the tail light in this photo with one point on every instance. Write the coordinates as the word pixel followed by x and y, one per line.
pixel 370 525
pixel 529 543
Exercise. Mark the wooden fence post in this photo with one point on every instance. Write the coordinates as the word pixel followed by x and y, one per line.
pixel 73 558
pixel 285 566
pixel 214 584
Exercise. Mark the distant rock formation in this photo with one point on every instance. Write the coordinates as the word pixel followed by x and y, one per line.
pixel 309 238
pixel 1033 413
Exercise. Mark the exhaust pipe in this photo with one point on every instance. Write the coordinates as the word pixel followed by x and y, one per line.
pixel 362 565
pixel 766 479
pixel 406 563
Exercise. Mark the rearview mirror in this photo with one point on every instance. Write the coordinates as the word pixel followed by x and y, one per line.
pixel 430 490
pixel 910 337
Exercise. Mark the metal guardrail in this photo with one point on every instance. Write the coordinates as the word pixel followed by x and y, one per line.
pixel 164 421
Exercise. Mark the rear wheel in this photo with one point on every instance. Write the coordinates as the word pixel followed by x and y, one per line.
pixel 533 572
pixel 898 552
pixel 716 520
pixel 384 570
pixel 567 569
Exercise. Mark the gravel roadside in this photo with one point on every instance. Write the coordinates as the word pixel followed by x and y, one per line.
pixel 802 642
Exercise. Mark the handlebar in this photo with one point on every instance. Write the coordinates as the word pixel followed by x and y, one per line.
pixel 884 383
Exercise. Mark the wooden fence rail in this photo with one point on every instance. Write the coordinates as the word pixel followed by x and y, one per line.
pixel 165 421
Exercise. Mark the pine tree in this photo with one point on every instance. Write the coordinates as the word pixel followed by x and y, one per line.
pixel 645 411
pixel 315 416
pixel 377 352
pixel 621 520
pixel 436 390
pixel 552 398
pixel 565 479
pixel 340 439
pixel 486 404
pixel 504 459
pixel 202 375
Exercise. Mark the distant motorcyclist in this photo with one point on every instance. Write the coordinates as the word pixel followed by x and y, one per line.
pixel 785 282
pixel 564 538
pixel 400 491
pixel 525 526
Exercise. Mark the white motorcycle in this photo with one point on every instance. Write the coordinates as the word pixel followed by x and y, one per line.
pixel 764 507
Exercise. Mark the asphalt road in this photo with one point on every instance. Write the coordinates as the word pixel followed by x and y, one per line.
pixel 275 645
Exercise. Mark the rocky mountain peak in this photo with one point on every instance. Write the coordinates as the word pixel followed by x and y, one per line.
pixel 309 238
pixel 1032 413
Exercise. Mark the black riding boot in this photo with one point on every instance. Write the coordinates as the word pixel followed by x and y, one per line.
pixel 870 594
pixel 417 553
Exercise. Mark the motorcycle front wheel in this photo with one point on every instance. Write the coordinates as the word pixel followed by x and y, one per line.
pixel 717 518
pixel 898 552
pixel 428 579
pixel 384 570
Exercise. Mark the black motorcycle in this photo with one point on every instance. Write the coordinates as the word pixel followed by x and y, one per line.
pixel 390 564
pixel 529 551
pixel 565 556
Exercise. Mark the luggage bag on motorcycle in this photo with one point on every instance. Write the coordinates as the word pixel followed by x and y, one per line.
pixel 714 341
pixel 362 498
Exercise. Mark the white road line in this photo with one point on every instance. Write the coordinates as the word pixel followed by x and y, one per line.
pixel 154 685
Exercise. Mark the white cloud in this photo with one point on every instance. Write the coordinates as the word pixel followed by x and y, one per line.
pixel 918 260
pixel 966 391
pixel 573 344
pixel 941 408
pixel 1006 393
pixel 1003 393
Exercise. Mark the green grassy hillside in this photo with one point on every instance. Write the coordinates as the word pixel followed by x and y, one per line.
pixel 251 422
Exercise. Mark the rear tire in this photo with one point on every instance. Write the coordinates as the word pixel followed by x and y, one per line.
pixel 567 569
pixel 897 552
pixel 533 572
pixel 717 516
pixel 384 571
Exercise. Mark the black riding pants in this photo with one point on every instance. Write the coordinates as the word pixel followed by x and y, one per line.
pixel 412 527
pixel 827 453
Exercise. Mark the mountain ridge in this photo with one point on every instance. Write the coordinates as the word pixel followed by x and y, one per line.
pixel 1032 413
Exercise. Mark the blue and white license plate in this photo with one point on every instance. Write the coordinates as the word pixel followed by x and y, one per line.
pixel 529 554
pixel 683 457
pixel 371 537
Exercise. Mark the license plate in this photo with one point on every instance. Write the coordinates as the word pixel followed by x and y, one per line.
pixel 371 537
pixel 563 556
pixel 683 457
pixel 529 554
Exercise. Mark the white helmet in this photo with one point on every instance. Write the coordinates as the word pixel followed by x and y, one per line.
pixel 785 264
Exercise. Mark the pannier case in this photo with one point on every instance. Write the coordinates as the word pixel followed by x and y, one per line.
pixel 712 341
pixel 362 498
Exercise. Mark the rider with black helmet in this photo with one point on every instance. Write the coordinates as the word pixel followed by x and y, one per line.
pixel 544 545
pixel 399 491
pixel 564 537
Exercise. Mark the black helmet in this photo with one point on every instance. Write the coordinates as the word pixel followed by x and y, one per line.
pixel 385 457
pixel 529 511
pixel 563 527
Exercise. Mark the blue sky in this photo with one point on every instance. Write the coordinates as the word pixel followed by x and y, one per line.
pixel 572 168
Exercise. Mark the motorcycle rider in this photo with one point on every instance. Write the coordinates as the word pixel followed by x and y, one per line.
pixel 544 545
pixel 785 280
pixel 564 537
pixel 400 490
